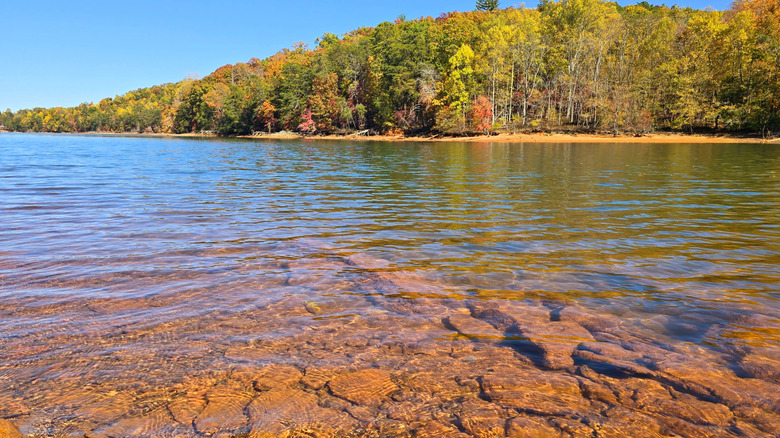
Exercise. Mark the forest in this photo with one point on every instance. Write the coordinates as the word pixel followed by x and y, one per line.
pixel 573 65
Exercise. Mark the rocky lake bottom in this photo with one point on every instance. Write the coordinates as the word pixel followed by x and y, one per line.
pixel 257 288
pixel 375 364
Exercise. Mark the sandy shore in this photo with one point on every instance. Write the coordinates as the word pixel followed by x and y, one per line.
pixel 538 138
pixel 499 138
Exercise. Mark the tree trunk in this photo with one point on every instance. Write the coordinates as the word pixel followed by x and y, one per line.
pixel 511 95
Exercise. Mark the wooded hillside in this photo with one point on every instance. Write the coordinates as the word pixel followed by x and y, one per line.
pixel 568 64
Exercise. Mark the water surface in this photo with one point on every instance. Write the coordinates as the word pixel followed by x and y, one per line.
pixel 160 286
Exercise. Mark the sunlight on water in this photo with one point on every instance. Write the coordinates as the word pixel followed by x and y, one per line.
pixel 181 287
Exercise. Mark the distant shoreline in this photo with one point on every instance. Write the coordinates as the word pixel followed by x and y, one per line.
pixel 499 138
pixel 538 138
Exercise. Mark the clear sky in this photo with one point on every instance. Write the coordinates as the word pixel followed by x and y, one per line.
pixel 62 53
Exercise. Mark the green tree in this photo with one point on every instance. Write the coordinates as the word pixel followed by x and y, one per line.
pixel 487 5
pixel 454 98
pixel 6 119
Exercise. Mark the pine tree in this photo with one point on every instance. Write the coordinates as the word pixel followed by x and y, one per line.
pixel 487 5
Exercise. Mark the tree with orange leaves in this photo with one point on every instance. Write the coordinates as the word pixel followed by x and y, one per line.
pixel 481 114
pixel 266 115
pixel 324 101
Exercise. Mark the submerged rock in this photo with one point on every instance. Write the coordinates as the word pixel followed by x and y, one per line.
pixel 719 385
pixel 536 393
pixel 591 321
pixel 480 418
pixel 9 430
pixel 505 315
pixel 436 429
pixel 187 407
pixel 289 410
pixel 557 341
pixel 550 343
pixel 277 376
pixel 693 410
pixel 473 328
pixel 531 427
pixel 761 367
pixel 573 427
pixel 408 411
pixel 317 378
pixel 620 422
pixel 367 387
pixel 430 383
pixel 152 423
pixel 610 358
pixel 224 411
pixel 544 370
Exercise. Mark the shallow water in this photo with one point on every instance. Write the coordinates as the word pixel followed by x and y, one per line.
pixel 184 287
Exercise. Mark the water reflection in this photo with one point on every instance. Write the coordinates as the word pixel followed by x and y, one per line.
pixel 169 286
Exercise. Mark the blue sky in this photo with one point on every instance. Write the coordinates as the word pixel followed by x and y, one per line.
pixel 62 53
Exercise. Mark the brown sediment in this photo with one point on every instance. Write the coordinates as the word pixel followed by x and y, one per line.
pixel 373 364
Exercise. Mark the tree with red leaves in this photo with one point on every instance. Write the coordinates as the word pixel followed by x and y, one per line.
pixel 307 126
pixel 481 114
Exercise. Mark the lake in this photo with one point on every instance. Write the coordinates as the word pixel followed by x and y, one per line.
pixel 187 287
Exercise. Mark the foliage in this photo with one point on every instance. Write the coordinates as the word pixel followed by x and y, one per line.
pixel 266 115
pixel 487 5
pixel 307 125
pixel 454 95
pixel 481 114
pixel 568 64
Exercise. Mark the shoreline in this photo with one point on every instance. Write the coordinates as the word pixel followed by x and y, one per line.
pixel 543 138
pixel 667 138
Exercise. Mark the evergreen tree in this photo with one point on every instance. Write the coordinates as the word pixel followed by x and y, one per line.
pixel 487 5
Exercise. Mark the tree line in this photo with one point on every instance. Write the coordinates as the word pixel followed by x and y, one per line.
pixel 586 65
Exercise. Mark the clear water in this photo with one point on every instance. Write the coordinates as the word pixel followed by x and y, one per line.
pixel 150 269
